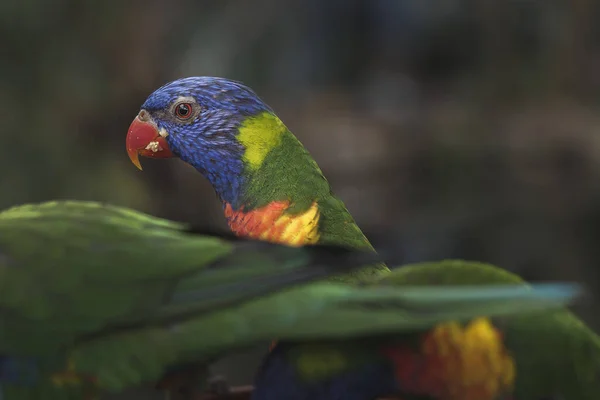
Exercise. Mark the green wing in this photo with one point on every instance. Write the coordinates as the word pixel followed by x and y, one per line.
pixel 69 270
pixel 131 295
pixel 79 266
pixel 316 311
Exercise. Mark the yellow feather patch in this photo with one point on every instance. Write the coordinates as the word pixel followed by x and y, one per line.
pixel 457 363
pixel 259 135
pixel 301 229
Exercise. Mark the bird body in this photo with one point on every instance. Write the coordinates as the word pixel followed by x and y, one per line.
pixel 535 356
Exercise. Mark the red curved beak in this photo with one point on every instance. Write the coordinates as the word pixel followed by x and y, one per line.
pixel 143 138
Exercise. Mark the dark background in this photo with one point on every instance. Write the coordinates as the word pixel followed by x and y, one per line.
pixel 450 128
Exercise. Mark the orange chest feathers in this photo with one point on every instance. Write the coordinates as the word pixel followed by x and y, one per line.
pixel 272 223
pixel 455 362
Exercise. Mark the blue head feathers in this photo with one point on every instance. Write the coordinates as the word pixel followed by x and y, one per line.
pixel 207 139
pixel 212 93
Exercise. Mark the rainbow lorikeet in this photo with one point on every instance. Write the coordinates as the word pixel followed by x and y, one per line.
pixel 97 298
pixel 272 189
pixel 270 186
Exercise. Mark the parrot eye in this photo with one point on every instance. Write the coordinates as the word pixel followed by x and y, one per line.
pixel 183 110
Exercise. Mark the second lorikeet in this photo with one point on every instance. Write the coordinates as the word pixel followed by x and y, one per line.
pixel 547 355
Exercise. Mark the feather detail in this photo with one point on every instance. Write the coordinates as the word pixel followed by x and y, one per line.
pixel 456 363
pixel 272 223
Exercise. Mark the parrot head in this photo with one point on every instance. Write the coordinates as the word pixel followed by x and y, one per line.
pixel 197 119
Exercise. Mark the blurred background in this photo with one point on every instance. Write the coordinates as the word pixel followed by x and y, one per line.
pixel 450 128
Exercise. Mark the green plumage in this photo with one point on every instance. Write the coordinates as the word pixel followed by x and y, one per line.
pixel 60 259
pixel 289 172
pixel 289 162
pixel 73 271
pixel 318 311
pixel 124 296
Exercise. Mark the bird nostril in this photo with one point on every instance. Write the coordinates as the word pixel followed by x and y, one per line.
pixel 144 116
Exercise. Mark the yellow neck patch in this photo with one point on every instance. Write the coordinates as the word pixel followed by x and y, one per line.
pixel 259 135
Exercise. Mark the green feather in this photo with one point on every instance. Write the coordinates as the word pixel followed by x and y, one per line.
pixel 125 296
pixel 316 312
pixel 301 181
pixel 288 172
pixel 556 354
pixel 72 271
